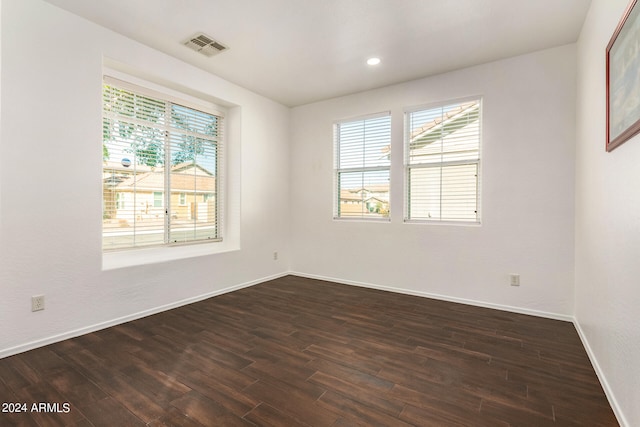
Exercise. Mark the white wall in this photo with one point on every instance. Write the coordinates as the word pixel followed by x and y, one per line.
pixel 50 169
pixel 607 307
pixel 50 205
pixel 527 192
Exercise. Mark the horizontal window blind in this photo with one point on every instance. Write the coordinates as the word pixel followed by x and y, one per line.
pixel 442 162
pixel 161 170
pixel 362 161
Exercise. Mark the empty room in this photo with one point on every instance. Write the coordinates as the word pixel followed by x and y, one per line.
pixel 319 213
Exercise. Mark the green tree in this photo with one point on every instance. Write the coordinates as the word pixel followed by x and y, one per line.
pixel 145 142
pixel 189 147
pixel 122 126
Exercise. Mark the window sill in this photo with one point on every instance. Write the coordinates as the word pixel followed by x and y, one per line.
pixel 439 222
pixel 145 256
pixel 361 219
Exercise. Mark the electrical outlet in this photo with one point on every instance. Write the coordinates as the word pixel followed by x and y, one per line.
pixel 514 279
pixel 275 256
pixel 37 302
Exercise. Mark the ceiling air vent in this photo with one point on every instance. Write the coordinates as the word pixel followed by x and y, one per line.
pixel 204 44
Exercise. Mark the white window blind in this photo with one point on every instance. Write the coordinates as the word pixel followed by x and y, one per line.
pixel 362 162
pixel 442 162
pixel 161 170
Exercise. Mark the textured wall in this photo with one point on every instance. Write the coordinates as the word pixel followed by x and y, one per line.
pixel 607 224
pixel 50 169
pixel 527 191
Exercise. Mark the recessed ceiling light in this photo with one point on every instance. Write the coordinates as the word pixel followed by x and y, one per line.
pixel 373 61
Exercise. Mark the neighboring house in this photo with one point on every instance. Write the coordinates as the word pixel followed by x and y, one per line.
pixel 443 164
pixel 371 201
pixel 138 195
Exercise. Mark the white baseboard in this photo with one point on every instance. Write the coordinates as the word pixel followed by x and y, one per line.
pixel 103 325
pixel 512 309
pixel 601 377
pixel 600 374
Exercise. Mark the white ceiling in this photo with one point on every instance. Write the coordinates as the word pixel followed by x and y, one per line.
pixel 301 51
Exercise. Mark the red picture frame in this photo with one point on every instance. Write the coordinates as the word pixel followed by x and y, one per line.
pixel 623 79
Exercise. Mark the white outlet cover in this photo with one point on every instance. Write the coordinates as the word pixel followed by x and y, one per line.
pixel 37 302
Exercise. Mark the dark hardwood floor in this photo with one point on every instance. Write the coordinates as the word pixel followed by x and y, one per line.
pixel 301 352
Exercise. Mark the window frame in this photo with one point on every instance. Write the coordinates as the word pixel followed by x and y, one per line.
pixel 338 170
pixel 442 164
pixel 173 98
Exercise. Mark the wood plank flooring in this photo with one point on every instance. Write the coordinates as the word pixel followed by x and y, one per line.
pixel 302 352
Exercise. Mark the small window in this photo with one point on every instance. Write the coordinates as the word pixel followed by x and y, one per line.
pixel 182 199
pixel 442 162
pixel 120 201
pixel 362 162
pixel 157 199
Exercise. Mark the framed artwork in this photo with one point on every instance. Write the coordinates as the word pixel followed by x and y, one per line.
pixel 623 79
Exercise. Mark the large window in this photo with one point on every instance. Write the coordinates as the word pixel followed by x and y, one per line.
pixel 362 162
pixel 161 169
pixel 442 162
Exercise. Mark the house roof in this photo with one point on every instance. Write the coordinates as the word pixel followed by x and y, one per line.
pixel 197 168
pixel 354 195
pixel 452 121
pixel 380 188
pixel 154 181
pixel 185 177
pixel 349 195
pixel 117 165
